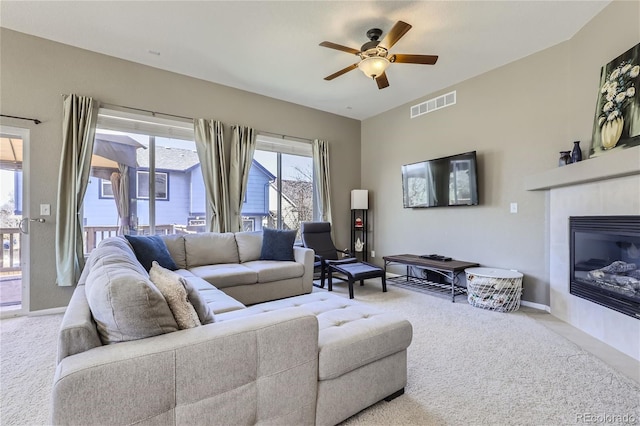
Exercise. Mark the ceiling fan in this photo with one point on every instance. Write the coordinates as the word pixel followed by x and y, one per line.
pixel 374 55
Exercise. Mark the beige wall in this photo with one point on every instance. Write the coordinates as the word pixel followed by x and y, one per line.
pixel 517 118
pixel 35 72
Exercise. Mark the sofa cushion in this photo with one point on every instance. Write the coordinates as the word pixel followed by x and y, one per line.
pixel 226 275
pixel 277 244
pixel 216 300
pixel 351 334
pixel 172 287
pixel 175 245
pixel 150 248
pixel 249 245
pixel 124 303
pixel 275 270
pixel 210 248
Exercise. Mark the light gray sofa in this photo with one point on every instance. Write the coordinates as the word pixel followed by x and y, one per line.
pixel 231 263
pixel 310 359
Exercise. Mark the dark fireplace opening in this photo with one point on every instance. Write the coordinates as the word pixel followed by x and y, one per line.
pixel 605 261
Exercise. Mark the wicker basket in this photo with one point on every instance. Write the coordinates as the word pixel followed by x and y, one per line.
pixel 494 289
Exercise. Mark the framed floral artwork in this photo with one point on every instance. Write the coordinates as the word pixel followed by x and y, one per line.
pixel 617 120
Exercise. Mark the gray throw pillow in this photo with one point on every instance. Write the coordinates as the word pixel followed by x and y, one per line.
pixel 277 244
pixel 204 311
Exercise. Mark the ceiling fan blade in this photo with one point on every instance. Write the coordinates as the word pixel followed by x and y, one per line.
pixel 342 71
pixel 395 34
pixel 339 47
pixel 382 81
pixel 414 59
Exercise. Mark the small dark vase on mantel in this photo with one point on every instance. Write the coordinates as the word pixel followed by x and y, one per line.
pixel 576 153
pixel 565 158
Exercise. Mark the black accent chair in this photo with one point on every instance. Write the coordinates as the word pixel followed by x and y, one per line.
pixel 317 236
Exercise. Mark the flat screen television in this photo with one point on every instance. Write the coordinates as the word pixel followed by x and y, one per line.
pixel 441 182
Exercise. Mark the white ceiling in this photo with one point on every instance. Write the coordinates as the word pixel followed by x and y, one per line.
pixel 271 48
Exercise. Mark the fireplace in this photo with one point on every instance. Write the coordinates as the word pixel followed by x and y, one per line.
pixel 605 261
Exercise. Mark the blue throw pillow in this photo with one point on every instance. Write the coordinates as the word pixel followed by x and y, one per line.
pixel 277 244
pixel 148 249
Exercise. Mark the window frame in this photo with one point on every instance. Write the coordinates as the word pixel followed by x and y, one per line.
pixel 248 220
pixel 157 174
pixel 101 194
pixel 285 146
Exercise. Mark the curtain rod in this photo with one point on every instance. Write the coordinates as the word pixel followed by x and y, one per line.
pixel 283 136
pixel 153 113
pixel 35 120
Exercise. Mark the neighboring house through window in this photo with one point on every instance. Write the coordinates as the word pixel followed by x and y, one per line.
pixel 162 185
pixel 289 166
pixel 106 190
pixel 165 192
pixel 165 186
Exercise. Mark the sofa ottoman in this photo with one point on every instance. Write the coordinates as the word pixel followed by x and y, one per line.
pixel 360 347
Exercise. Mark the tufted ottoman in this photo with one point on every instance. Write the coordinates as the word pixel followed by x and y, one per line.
pixel 362 352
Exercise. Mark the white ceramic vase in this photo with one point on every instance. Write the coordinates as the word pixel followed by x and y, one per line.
pixel 610 132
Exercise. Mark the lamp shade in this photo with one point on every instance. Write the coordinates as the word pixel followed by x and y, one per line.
pixel 359 199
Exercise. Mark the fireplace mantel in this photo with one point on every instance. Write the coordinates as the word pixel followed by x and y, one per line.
pixel 618 163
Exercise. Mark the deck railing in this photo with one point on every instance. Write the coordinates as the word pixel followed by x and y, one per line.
pixel 11 258
pixel 94 234
pixel 11 252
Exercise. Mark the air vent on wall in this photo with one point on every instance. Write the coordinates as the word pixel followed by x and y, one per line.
pixel 434 104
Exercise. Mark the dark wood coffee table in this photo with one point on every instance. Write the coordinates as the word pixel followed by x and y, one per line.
pixel 448 269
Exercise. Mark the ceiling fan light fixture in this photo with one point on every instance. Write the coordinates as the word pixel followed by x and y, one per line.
pixel 374 66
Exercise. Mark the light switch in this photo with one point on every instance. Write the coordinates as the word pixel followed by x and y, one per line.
pixel 514 207
pixel 45 209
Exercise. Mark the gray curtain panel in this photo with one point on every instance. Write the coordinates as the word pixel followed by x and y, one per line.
pixel 210 146
pixel 120 188
pixel 321 181
pixel 78 133
pixel 243 145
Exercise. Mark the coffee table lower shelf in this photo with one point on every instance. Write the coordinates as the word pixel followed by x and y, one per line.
pixel 447 269
pixel 426 286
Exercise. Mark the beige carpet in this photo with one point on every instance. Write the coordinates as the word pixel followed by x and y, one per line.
pixel 467 366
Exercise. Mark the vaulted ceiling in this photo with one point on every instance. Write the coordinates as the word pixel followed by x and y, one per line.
pixel 271 47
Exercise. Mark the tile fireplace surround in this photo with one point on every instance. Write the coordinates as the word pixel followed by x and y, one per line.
pixel 606 185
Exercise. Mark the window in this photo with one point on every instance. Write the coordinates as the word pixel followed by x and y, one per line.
pixel 106 190
pixel 459 182
pixel 280 188
pixel 162 185
pixel 248 224
pixel 165 191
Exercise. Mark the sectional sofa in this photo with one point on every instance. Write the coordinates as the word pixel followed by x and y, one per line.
pixel 306 358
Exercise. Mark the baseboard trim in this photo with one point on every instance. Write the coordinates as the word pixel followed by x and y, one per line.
pixel 533 305
pixel 52 311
